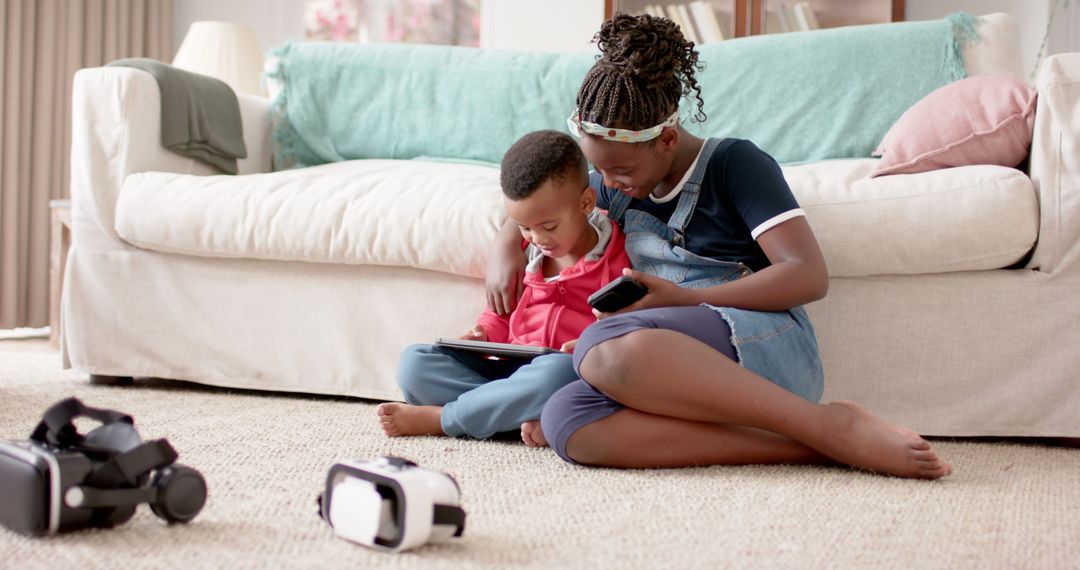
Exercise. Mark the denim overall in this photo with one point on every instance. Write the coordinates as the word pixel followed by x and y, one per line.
pixel 779 346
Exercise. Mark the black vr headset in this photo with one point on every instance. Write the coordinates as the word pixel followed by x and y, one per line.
pixel 60 480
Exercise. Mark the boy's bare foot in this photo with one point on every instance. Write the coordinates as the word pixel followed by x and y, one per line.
pixel 532 434
pixel 404 419
pixel 863 440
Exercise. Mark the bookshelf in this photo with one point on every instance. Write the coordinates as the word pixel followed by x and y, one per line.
pixel 777 16
pixel 713 20
pixel 738 18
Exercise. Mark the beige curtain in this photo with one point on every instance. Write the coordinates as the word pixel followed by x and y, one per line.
pixel 42 44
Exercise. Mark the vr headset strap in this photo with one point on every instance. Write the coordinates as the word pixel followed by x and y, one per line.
pixel 450 515
pixel 56 427
pixel 128 467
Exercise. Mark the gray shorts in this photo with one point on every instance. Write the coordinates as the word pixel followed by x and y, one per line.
pixel 579 404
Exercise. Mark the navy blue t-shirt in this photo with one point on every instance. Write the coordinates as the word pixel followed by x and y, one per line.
pixel 743 194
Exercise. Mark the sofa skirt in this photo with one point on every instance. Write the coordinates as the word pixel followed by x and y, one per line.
pixel 987 353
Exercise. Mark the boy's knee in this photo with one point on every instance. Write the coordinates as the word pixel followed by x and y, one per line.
pixel 555 371
pixel 409 366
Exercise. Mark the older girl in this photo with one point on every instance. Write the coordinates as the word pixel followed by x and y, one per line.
pixel 718 363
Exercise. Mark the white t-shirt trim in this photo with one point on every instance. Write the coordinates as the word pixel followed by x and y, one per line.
pixel 775 221
pixel 682 181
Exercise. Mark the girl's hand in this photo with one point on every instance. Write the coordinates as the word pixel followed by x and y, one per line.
pixel 504 282
pixel 662 293
pixel 568 346
pixel 476 333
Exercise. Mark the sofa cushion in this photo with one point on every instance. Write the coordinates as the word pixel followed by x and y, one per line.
pixel 977 120
pixel 956 219
pixel 430 215
pixel 443 216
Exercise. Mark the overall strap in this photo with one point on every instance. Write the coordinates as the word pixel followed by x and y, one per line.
pixel 688 196
pixel 618 205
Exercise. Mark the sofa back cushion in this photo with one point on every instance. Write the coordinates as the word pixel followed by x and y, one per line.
pixel 800 96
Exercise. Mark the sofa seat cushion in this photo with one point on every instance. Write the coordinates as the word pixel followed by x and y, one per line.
pixel 431 215
pixel 443 216
pixel 955 219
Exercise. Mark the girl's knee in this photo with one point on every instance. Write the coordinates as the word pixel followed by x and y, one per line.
pixel 585 448
pixel 560 417
pixel 570 411
pixel 608 364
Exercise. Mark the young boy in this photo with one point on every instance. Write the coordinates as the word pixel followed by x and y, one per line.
pixel 573 250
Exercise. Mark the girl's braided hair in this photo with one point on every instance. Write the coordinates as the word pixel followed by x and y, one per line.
pixel 644 69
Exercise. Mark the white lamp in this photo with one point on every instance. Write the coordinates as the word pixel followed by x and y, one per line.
pixel 227 51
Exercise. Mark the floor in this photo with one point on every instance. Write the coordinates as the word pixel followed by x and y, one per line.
pixel 26 345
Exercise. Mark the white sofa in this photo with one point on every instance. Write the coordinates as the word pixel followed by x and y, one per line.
pixel 953 305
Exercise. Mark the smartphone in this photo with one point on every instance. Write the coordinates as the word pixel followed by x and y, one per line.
pixel 618 294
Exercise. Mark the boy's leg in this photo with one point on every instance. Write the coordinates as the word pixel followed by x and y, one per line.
pixel 430 376
pixel 502 405
pixel 666 373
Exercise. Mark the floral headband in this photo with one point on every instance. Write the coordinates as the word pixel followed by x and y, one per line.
pixel 577 125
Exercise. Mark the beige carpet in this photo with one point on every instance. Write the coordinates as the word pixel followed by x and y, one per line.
pixel 265 455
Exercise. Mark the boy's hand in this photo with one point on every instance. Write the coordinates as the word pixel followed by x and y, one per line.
pixel 504 282
pixel 568 346
pixel 476 333
pixel 662 293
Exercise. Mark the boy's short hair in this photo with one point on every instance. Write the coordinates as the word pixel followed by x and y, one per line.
pixel 538 157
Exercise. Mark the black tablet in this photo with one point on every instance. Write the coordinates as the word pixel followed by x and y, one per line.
pixel 495 348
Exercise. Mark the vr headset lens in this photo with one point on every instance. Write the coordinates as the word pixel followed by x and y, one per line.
pixel 25 491
pixel 391 504
pixel 359 510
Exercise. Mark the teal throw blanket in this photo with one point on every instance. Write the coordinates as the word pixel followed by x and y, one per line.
pixel 800 96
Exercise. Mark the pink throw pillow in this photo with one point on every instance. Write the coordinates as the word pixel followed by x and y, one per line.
pixel 986 119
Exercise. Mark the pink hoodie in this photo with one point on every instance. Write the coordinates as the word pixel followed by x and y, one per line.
pixel 551 313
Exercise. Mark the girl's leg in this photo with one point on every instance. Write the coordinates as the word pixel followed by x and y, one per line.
pixel 597 430
pixel 666 373
pixel 638 440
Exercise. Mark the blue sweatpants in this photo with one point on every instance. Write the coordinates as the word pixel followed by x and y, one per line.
pixel 481 397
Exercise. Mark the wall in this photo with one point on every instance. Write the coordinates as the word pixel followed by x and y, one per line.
pixel 1031 17
pixel 558 25
pixel 569 24
pixel 275 21
pixel 551 25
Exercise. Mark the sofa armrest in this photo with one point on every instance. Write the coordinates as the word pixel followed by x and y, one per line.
pixel 116 131
pixel 1055 163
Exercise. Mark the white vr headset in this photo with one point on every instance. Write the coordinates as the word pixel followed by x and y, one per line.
pixel 391 504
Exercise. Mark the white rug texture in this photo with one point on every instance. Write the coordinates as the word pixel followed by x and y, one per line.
pixel 265 457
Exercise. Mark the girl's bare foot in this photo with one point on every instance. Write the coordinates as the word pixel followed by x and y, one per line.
pixel 404 419
pixel 863 440
pixel 532 434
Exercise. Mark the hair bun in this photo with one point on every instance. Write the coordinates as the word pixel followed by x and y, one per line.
pixel 652 46
pixel 645 67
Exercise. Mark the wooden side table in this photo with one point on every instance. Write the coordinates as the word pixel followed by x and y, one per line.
pixel 59 242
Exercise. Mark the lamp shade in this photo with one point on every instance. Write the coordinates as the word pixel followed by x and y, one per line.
pixel 227 51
